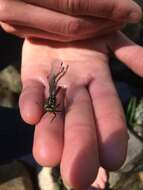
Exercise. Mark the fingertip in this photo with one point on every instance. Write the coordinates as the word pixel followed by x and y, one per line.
pixel 136 14
pixel 82 179
pixel 114 163
pixel 31 111
pixel 44 156
pixel 48 141
pixel 31 102
pixel 113 151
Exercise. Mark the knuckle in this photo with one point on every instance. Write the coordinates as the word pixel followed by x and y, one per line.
pixel 73 27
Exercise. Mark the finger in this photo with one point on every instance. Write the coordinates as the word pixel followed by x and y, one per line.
pixel 127 51
pixel 115 9
pixel 48 137
pixel 31 101
pixel 103 28
pixel 79 163
pixel 101 179
pixel 59 24
pixel 111 124
pixel 23 31
pixel 28 32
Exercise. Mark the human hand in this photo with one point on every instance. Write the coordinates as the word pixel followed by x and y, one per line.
pixel 93 131
pixel 66 20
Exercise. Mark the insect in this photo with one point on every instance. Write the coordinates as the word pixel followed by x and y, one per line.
pixel 51 102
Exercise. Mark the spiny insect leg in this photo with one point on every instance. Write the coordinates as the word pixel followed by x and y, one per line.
pixel 53 116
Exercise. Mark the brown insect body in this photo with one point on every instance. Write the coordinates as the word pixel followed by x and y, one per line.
pixel 51 103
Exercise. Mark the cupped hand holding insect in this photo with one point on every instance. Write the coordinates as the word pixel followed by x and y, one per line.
pixel 66 20
pixel 92 132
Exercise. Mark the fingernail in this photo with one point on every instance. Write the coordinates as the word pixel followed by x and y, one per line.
pixel 134 17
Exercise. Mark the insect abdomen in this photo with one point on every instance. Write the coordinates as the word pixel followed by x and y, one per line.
pixel 52 101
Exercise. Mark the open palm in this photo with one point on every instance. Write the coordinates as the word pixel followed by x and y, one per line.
pixel 92 132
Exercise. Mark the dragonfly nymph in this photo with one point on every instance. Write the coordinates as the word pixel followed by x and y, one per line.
pixel 51 102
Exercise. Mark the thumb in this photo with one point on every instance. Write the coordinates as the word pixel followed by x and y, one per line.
pixel 127 51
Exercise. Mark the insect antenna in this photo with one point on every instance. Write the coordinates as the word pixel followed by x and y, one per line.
pixel 57 90
pixel 61 74
pixel 61 71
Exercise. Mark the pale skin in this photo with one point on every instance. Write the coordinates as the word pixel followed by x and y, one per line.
pixel 93 127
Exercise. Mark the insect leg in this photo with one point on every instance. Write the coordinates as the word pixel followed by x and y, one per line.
pixel 53 116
